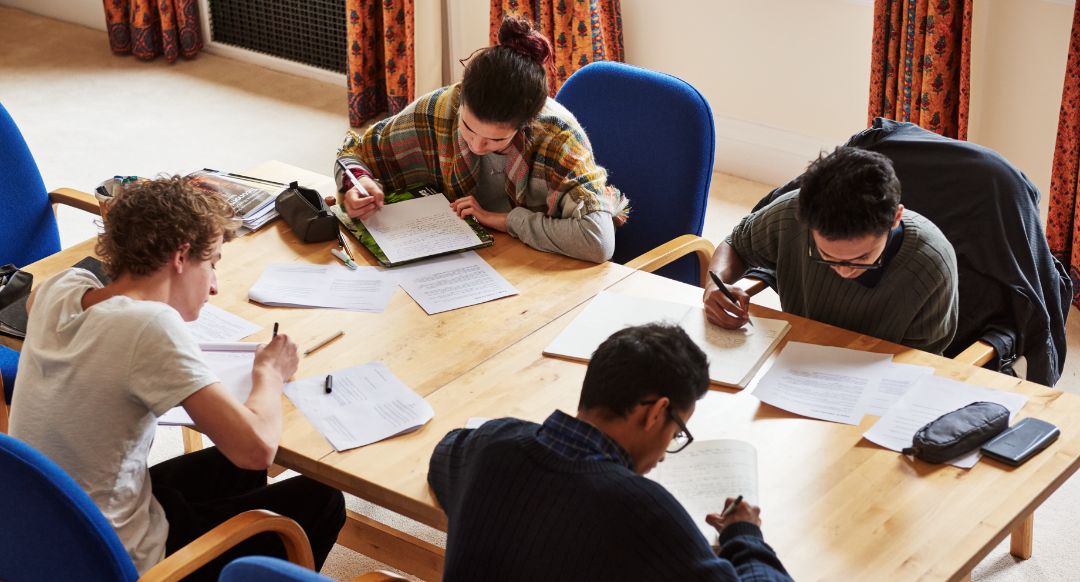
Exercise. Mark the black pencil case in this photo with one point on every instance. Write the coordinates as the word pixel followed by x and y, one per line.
pixel 958 432
pixel 306 214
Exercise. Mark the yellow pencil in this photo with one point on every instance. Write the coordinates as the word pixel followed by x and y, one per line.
pixel 323 343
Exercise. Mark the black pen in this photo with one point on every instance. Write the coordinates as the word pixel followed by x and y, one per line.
pixel 729 510
pixel 727 292
pixel 329 387
pixel 275 329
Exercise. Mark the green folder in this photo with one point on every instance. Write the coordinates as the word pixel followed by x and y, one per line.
pixel 357 229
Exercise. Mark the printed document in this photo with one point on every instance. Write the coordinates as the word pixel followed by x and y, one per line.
pixel 452 282
pixel 233 368
pixel 217 325
pixel 420 227
pixel 331 286
pixel 734 354
pixel 930 398
pixel 823 382
pixel 367 404
pixel 894 384
pixel 702 476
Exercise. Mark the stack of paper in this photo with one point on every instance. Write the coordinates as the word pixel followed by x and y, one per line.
pixel 367 404
pixel 252 198
pixel 734 354
pixel 332 286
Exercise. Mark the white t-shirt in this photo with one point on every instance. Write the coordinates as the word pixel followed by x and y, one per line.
pixel 91 386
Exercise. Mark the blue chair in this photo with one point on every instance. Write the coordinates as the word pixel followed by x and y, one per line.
pixel 51 530
pixel 28 223
pixel 654 134
pixel 266 569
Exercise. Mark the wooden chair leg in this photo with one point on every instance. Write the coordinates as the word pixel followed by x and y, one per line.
pixel 193 440
pixel 1022 538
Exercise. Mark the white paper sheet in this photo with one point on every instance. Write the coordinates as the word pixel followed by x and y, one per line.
pixel 452 282
pixel 420 227
pixel 233 369
pixel 928 399
pixel 894 384
pixel 217 325
pixel 822 382
pixel 330 286
pixel 368 404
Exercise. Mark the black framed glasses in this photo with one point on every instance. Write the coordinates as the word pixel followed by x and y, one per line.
pixel 815 255
pixel 682 438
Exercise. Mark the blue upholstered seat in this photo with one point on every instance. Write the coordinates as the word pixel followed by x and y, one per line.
pixel 654 134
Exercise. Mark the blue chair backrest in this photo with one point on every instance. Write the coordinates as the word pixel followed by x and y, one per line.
pixel 27 221
pixel 267 569
pixel 654 134
pixel 49 527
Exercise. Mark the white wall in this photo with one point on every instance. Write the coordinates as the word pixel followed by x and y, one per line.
pixel 89 13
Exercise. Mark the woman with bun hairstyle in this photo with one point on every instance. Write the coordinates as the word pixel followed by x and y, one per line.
pixel 499 148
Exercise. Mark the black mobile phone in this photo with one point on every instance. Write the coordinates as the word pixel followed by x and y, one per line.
pixel 1021 442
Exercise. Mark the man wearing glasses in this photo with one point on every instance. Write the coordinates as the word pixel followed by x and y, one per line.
pixel 566 500
pixel 844 251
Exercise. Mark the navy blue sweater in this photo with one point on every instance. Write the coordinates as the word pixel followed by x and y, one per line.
pixel 518 510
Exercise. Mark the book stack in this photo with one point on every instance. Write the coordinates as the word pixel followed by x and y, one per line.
pixel 251 198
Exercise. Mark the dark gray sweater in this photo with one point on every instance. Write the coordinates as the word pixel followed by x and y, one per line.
pixel 914 303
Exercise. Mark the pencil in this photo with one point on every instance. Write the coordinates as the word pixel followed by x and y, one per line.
pixel 323 343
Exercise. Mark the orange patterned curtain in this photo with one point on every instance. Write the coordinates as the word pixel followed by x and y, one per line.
pixel 148 28
pixel 582 31
pixel 1062 224
pixel 381 65
pixel 920 65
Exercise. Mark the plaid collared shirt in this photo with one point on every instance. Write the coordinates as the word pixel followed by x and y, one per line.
pixel 580 441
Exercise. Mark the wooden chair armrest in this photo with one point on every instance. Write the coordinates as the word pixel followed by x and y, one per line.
pixel 751 285
pixel 223 537
pixel 75 199
pixel 379 576
pixel 977 354
pixel 676 249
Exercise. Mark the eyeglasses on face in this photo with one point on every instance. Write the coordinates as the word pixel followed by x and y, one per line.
pixel 682 438
pixel 815 255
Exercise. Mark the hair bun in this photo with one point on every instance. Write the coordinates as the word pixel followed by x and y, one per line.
pixel 519 36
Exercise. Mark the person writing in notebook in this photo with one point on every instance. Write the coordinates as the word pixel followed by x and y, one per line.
pixel 567 500
pixel 844 251
pixel 499 149
pixel 101 362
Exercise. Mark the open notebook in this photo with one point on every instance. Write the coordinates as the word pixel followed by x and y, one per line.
pixel 734 355
pixel 705 474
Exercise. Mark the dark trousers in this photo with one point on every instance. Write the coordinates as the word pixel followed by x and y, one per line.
pixel 200 490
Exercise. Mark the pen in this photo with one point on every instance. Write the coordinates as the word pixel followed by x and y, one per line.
pixel 323 343
pixel 352 180
pixel 727 292
pixel 727 511
pixel 344 247
pixel 329 386
pixel 275 328
pixel 344 259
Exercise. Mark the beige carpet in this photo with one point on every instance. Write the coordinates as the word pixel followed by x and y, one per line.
pixel 89 115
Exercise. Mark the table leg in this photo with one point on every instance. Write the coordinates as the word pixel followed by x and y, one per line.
pixel 1022 537
pixel 390 546
pixel 192 439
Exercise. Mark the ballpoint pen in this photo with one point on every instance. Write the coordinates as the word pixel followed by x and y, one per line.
pixel 727 292
pixel 729 509
pixel 352 180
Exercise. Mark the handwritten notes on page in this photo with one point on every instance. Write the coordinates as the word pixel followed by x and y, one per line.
pixel 451 282
pixel 331 286
pixel 368 404
pixel 706 473
pixel 232 363
pixel 420 227
pixel 217 325
pixel 734 355
pixel 823 382
pixel 930 398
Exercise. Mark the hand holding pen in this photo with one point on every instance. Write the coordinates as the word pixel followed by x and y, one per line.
pixel 730 308
pixel 363 197
pixel 736 510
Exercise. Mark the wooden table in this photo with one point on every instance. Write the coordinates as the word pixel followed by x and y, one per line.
pixel 835 506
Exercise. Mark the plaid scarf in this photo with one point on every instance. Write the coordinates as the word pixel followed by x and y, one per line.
pixel 422 146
